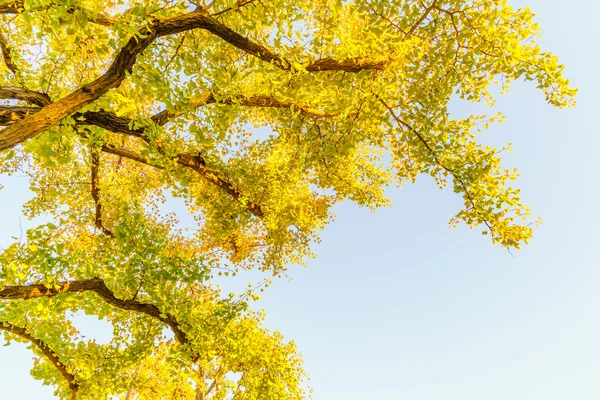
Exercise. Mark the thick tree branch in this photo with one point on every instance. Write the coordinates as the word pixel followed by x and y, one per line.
pixel 95 163
pixel 12 114
pixel 33 125
pixel 36 123
pixel 268 101
pixel 30 96
pixel 46 350
pixel 215 27
pixel 97 286
pixel 110 121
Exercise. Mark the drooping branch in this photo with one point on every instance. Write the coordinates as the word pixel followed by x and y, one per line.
pixel 97 286
pixel 198 164
pixel 194 162
pixel 95 163
pixel 457 178
pixel 46 350
pixel 114 123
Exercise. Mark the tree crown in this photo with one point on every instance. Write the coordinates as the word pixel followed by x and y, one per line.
pixel 260 116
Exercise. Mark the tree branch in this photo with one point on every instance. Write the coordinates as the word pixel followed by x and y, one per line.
pixel 128 154
pixel 95 163
pixel 11 114
pixel 213 384
pixel 215 27
pixel 434 155
pixel 36 123
pixel 33 125
pixel 6 54
pixel 239 4
pixel 30 96
pixel 421 19
pixel 196 163
pixel 97 286
pixel 130 392
pixel 348 65
pixel 112 122
pixel 46 350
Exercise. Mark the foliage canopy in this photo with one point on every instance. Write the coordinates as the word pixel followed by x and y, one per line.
pixel 260 115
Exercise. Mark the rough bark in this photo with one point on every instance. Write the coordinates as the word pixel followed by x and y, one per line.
pixel 30 96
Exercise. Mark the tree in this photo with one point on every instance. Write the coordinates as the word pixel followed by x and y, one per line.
pixel 112 108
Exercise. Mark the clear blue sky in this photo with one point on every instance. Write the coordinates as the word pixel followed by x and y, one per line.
pixel 398 306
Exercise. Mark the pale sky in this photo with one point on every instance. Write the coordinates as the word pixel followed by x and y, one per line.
pixel 399 306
